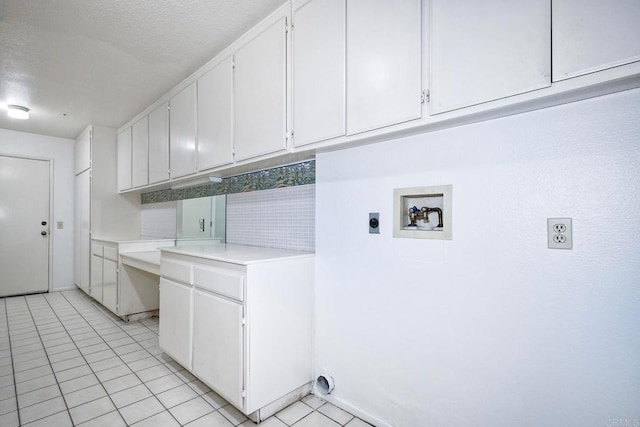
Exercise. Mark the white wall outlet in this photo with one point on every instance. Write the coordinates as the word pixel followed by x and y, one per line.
pixel 559 232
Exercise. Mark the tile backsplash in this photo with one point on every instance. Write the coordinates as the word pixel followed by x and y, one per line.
pixel 159 219
pixel 277 218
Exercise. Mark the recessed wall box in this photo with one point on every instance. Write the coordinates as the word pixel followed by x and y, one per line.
pixel 423 212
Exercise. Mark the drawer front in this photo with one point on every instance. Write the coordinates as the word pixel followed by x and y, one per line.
pixel 111 253
pixel 97 249
pixel 224 282
pixel 180 271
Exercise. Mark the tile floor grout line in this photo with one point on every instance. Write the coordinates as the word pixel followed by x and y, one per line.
pixel 13 369
pixel 50 364
pixel 143 383
pixel 89 365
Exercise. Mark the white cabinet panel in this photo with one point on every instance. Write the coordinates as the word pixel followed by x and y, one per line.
pixel 384 58
pixel 82 230
pixel 159 144
pixel 175 321
pixel 215 121
pixel 124 159
pixel 591 35
pixel 182 132
pixel 96 278
pixel 83 151
pixel 260 94
pixel 319 43
pixel 110 284
pixel 140 153
pixel 482 51
pixel 217 344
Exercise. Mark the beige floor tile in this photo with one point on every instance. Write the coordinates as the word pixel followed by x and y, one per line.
pixel 91 410
pixel 191 410
pixel 214 419
pixel 61 419
pixel 42 410
pixel 232 414
pixel 130 395
pixel 335 413
pixel 293 413
pixel 141 410
pixel 163 419
pixel 112 419
pixel 176 396
pixel 37 396
pixel 85 395
pixel 316 419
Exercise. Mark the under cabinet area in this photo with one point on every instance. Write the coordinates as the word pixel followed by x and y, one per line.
pixel 239 318
pixel 127 289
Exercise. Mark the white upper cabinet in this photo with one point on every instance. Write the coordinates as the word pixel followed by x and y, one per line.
pixel 159 144
pixel 215 121
pixel 182 131
pixel 83 151
pixel 124 159
pixel 260 93
pixel 384 58
pixel 140 153
pixel 482 51
pixel 590 36
pixel 319 42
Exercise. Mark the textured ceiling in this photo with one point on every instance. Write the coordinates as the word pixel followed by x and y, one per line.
pixel 79 62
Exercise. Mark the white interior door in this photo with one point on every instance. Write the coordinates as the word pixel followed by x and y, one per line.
pixel 24 225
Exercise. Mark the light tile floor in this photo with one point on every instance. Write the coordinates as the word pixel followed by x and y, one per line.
pixel 65 361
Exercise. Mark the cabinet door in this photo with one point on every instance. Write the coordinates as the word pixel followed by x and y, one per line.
pixel 140 153
pixel 175 321
pixel 159 144
pixel 83 151
pixel 260 94
pixel 124 159
pixel 182 132
pixel 217 345
pixel 319 43
pixel 590 36
pixel 95 290
pixel 110 285
pixel 384 63
pixel 482 51
pixel 215 123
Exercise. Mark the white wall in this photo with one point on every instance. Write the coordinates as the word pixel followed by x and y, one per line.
pixel 490 328
pixel 61 151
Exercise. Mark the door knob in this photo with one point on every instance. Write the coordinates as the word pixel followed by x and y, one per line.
pixel 44 233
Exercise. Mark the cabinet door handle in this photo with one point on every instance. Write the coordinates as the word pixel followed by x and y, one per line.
pixel 44 233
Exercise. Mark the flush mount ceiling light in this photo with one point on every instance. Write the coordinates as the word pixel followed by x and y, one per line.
pixel 18 112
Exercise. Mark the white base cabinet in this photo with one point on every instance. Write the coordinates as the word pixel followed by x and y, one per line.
pixel 217 343
pixel 242 325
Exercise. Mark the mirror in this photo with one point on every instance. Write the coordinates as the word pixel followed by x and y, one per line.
pixel 201 220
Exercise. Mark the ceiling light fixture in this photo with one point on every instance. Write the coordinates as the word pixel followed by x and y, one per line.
pixel 18 112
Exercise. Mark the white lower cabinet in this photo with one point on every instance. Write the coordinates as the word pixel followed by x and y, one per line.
pixel 176 302
pixel 110 285
pixel 126 291
pixel 242 327
pixel 217 344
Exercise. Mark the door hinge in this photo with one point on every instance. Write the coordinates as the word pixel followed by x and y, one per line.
pixel 244 393
pixel 243 321
pixel 426 96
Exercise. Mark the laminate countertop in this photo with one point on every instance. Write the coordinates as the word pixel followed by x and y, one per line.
pixel 236 254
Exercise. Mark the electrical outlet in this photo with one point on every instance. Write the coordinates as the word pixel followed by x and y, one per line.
pixel 374 223
pixel 559 232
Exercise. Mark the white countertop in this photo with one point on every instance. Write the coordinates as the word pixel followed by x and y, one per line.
pixel 236 254
pixel 132 239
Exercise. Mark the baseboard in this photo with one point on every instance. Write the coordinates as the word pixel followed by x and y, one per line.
pixel 66 288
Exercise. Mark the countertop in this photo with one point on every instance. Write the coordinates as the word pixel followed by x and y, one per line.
pixel 236 254
pixel 131 239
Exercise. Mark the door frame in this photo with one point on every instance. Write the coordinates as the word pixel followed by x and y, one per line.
pixel 49 220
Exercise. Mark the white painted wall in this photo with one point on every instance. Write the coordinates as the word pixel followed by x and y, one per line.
pixel 61 151
pixel 490 328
